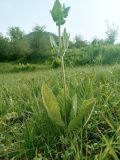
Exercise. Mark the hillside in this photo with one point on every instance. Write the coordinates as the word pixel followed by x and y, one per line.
pixel 44 37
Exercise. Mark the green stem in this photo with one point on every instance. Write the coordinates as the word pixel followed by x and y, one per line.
pixel 59 33
pixel 64 85
pixel 63 74
pixel 62 64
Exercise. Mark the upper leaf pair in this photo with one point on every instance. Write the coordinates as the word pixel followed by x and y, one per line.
pixel 64 43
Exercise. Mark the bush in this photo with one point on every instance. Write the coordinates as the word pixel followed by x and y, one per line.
pixel 24 67
pixel 103 54
pixel 56 63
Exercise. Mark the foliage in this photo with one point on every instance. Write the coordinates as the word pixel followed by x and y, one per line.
pixel 15 34
pixel 19 67
pixel 26 131
pixel 36 47
pixel 79 42
pixel 56 63
pixel 36 39
pixel 19 46
pixel 111 34
pixel 53 108
pixel 4 48
pixel 59 13
pixel 93 55
pixel 51 105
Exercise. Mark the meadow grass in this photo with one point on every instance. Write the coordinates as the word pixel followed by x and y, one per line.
pixel 26 132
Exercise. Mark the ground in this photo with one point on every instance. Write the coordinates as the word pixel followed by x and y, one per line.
pixel 27 131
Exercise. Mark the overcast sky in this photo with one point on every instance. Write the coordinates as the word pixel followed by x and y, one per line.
pixel 87 17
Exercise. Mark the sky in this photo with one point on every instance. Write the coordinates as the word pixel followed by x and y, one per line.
pixel 86 17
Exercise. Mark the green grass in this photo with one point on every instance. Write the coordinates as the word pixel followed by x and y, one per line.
pixel 26 132
pixel 21 67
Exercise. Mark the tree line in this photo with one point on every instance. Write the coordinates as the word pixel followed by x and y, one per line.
pixel 35 46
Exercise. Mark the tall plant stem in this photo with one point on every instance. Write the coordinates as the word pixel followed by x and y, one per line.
pixel 62 61
pixel 62 64
pixel 64 84
pixel 59 34
pixel 64 78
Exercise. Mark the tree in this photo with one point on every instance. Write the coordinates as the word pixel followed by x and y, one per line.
pixel 111 33
pixel 38 28
pixel 19 46
pixel 4 48
pixel 79 42
pixel 36 45
pixel 23 48
pixel 15 34
pixel 98 42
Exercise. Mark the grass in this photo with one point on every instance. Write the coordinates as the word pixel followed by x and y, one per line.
pixel 21 67
pixel 28 133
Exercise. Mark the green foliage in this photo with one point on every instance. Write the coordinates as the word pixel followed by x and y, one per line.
pixel 74 107
pixel 15 34
pixel 65 41
pixel 20 67
pixel 36 38
pixel 36 47
pixel 4 48
pixel 51 105
pixel 19 46
pixel 84 111
pixel 93 55
pixel 56 63
pixel 39 44
pixel 79 42
pixel 111 34
pixel 72 112
pixel 23 48
pixel 26 128
pixel 23 67
pixel 59 13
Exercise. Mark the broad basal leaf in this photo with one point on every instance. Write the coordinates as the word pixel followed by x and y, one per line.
pixel 84 111
pixel 65 104
pixel 51 105
pixel 74 107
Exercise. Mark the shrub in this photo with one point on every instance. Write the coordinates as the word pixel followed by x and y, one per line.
pixel 24 67
pixel 56 63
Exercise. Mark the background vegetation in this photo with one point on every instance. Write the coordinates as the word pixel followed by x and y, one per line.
pixel 35 47
pixel 27 132
pixel 55 114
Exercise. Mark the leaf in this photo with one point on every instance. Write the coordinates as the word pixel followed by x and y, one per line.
pixel 53 43
pixel 60 98
pixel 74 107
pixel 57 13
pixel 51 105
pixel 75 104
pixel 65 40
pixel 65 11
pixel 65 104
pixel 110 149
pixel 84 111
